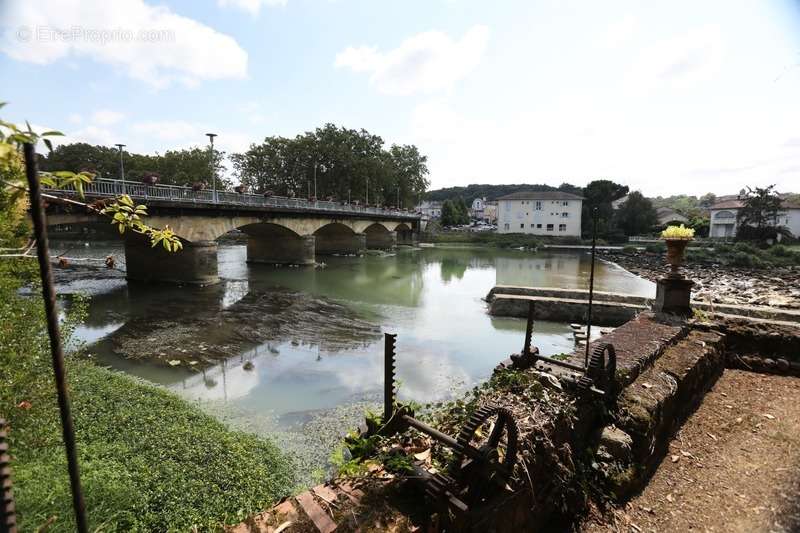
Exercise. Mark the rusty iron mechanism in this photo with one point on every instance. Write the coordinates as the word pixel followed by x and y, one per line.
pixel 8 515
pixel 597 377
pixel 479 469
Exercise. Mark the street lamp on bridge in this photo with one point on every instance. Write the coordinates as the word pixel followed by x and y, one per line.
pixel 213 165
pixel 121 166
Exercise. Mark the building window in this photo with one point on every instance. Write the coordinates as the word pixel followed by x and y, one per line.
pixel 522 226
pixel 532 225
pixel 565 203
pixel 549 227
pixel 562 227
pixel 505 226
pixel 564 215
pixel 538 226
pixel 538 205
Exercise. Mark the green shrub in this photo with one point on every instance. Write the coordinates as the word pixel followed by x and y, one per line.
pixel 656 247
pixel 744 259
pixel 746 247
pixel 629 249
pixel 780 250
pixel 699 255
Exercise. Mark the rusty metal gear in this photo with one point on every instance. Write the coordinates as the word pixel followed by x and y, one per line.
pixel 477 476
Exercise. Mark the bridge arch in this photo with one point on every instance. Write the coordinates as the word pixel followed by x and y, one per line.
pixel 338 238
pixel 405 235
pixel 379 237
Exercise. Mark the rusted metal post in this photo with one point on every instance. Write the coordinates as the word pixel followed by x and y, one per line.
pixel 526 350
pixel 591 289
pixel 388 375
pixel 56 349
pixel 8 513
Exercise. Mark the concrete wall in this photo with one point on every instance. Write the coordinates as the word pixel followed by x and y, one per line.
pixel 535 216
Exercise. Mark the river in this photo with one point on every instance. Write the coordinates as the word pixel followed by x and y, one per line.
pixel 294 353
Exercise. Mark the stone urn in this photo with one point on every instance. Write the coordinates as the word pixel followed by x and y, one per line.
pixel 676 249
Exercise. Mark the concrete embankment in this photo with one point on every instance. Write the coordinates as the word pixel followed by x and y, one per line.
pixel 609 309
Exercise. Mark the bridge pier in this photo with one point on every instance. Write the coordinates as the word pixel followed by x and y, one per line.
pixel 196 264
pixel 407 237
pixel 381 240
pixel 340 243
pixel 281 249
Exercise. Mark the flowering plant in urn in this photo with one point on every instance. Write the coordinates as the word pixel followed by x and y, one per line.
pixel 677 238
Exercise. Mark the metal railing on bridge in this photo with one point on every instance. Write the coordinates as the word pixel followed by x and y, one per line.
pixel 108 188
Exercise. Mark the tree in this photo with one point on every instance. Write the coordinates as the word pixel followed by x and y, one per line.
pixel 636 215
pixel 449 216
pixel 757 220
pixel 175 167
pixel 600 194
pixel 343 163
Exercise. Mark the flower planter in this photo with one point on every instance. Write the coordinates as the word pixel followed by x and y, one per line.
pixel 675 253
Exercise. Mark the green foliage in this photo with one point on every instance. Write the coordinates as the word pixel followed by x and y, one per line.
pixel 757 220
pixel 656 247
pixel 149 460
pixel 636 216
pixel 492 192
pixel 174 167
pixel 629 249
pixel 454 213
pixel 600 194
pixel 486 238
pixel 745 255
pixel 344 161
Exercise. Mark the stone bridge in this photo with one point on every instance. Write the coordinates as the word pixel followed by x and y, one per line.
pixel 279 230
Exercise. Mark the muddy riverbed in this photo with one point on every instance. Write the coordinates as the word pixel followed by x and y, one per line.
pixel 773 287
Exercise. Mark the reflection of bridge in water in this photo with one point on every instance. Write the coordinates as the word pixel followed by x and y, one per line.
pixel 279 230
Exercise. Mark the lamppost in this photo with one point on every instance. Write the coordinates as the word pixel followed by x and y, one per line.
pixel 366 200
pixel 121 166
pixel 315 180
pixel 213 166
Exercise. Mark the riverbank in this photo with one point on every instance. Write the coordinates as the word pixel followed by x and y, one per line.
pixel 778 286
pixel 149 460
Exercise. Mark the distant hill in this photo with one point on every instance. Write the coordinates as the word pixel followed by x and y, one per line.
pixel 492 192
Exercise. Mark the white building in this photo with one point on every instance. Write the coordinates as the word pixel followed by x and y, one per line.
pixel 476 210
pixel 540 213
pixel 430 209
pixel 724 214
pixel 490 212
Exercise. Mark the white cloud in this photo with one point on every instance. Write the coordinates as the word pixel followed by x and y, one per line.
pixel 251 6
pixel 620 32
pixel 75 118
pixel 184 134
pixel 107 117
pixel 148 43
pixel 679 62
pixel 424 63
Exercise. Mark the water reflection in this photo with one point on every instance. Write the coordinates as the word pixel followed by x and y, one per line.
pixel 312 336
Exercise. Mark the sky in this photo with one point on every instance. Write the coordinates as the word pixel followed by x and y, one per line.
pixel 665 96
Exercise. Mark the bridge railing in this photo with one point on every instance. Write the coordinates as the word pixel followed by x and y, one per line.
pixel 104 187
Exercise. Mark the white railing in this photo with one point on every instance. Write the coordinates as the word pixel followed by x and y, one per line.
pixel 107 188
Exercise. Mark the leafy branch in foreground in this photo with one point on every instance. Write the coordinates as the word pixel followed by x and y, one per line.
pixel 122 211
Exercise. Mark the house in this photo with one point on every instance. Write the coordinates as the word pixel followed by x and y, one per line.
pixel 540 213
pixel 430 209
pixel 724 214
pixel 477 207
pixel 490 212
pixel 666 214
